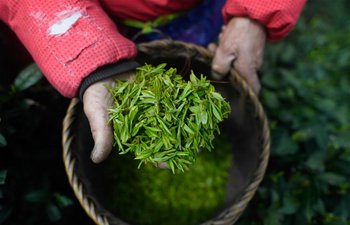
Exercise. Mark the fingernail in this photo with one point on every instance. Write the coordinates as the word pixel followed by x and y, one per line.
pixel 163 165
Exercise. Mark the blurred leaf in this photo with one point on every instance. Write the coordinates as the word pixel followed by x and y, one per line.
pixel 271 99
pixel 284 144
pixel 63 201
pixel 343 166
pixel 53 212
pixel 290 204
pixel 322 137
pixel 273 216
pixel 3 141
pixel 5 213
pixel 27 78
pixel 344 206
pixel 38 196
pixel 316 161
pixel 309 202
pixel 289 54
pixel 3 174
pixel 333 178
pixel 342 140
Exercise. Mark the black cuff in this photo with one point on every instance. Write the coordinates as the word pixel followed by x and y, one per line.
pixel 105 72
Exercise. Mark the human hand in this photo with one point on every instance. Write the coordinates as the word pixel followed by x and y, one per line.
pixel 241 45
pixel 97 100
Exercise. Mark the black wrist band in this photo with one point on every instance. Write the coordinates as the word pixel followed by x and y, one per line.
pixel 105 72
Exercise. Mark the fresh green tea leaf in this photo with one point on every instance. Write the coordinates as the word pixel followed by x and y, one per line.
pixel 158 115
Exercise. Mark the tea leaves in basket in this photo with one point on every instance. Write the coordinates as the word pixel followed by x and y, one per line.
pixel 162 118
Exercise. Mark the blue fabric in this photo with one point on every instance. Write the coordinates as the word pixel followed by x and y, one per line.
pixel 200 25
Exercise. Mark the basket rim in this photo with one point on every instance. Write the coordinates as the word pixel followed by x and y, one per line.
pixel 230 214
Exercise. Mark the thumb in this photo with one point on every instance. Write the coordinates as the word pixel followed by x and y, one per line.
pixel 103 137
pixel 102 132
pixel 97 100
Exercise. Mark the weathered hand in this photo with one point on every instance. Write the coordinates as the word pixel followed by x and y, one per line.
pixel 241 45
pixel 97 100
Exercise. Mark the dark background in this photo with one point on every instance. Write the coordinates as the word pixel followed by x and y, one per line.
pixel 306 92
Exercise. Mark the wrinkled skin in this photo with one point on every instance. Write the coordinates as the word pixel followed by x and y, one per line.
pixel 241 45
pixel 97 100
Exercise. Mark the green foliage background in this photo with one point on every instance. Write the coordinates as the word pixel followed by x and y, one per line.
pixel 306 80
pixel 306 92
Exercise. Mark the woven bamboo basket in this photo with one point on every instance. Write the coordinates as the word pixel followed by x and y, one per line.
pixel 247 127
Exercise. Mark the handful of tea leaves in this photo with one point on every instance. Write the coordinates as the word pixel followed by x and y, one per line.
pixel 161 118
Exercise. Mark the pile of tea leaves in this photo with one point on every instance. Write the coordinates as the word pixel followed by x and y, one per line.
pixel 150 195
pixel 162 118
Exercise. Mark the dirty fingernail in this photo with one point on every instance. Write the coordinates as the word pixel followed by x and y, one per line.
pixel 163 165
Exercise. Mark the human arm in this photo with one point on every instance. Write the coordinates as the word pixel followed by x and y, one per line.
pixel 70 41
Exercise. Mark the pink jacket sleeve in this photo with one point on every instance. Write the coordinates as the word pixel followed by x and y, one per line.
pixel 68 39
pixel 278 16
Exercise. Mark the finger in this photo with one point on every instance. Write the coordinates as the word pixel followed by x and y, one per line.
pixel 103 145
pixel 163 165
pixel 102 132
pixel 222 31
pixel 212 48
pixel 222 61
pixel 96 101
pixel 249 73
pixel 223 27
